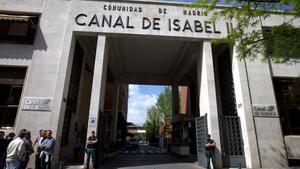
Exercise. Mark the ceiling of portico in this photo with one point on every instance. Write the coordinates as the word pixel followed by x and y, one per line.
pixel 144 60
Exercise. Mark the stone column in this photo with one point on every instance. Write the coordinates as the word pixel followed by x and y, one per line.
pixel 244 109
pixel 115 111
pixel 98 86
pixel 264 145
pixel 208 97
pixel 175 100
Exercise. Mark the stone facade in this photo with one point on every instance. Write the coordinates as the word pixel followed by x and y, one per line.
pixel 49 59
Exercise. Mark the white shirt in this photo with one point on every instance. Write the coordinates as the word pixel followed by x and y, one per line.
pixel 16 150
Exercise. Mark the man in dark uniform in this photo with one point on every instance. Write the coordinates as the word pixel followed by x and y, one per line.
pixel 210 150
pixel 91 149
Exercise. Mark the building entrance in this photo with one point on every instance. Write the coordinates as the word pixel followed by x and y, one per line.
pixel 104 66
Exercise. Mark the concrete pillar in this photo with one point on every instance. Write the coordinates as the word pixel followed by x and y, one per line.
pixel 244 109
pixel 208 97
pixel 114 111
pixel 98 86
pixel 264 145
pixel 56 120
pixel 175 100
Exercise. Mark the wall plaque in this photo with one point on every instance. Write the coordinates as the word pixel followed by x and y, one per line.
pixel 260 110
pixel 93 122
pixel 37 104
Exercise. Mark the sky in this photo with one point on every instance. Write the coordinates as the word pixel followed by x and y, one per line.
pixel 141 97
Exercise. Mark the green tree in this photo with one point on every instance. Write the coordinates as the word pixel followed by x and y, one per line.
pixel 164 103
pixel 281 41
pixel 152 123
pixel 156 114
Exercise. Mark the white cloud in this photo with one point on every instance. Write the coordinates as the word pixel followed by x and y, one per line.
pixel 138 104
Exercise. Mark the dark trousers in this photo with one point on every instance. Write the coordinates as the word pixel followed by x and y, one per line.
pixel 38 164
pixel 23 164
pixel 2 160
pixel 91 152
pixel 76 154
pixel 210 156
pixel 46 164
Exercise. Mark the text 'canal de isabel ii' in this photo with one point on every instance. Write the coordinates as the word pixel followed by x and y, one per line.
pixel 124 22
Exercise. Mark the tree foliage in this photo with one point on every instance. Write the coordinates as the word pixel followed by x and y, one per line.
pixel 152 122
pixel 164 103
pixel 158 113
pixel 280 44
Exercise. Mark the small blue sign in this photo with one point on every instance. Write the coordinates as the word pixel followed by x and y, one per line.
pixel 93 122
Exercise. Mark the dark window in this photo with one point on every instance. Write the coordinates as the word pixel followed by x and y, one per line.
pixel 226 84
pixel 17 29
pixel 11 84
pixel 9 104
pixel 288 100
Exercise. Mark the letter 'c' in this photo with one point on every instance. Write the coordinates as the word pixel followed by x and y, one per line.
pixel 77 19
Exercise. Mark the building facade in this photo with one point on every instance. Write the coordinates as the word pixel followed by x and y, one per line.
pixel 65 65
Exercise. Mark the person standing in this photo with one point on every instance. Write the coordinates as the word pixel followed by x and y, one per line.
pixel 4 144
pixel 77 146
pixel 10 137
pixel 29 149
pixel 91 149
pixel 48 150
pixel 210 147
pixel 16 151
pixel 39 141
pixel 2 150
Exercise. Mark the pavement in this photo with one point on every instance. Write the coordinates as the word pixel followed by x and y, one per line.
pixel 146 157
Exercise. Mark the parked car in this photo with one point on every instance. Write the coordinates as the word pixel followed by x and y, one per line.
pixel 133 143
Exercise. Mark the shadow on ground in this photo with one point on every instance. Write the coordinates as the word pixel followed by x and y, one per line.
pixel 151 158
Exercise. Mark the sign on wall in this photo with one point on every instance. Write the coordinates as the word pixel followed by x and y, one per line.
pixel 93 122
pixel 146 19
pixel 261 110
pixel 37 104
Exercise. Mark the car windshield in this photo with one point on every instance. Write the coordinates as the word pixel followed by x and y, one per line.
pixel 133 140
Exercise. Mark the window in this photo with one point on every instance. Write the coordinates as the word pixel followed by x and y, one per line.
pixel 17 28
pixel 9 101
pixel 288 100
pixel 11 84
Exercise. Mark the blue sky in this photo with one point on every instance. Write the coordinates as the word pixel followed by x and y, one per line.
pixel 141 97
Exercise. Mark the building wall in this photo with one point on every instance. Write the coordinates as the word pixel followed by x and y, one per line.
pixel 43 61
pixel 269 135
pixel 48 72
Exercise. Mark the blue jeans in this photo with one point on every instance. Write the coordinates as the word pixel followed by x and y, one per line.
pixel 13 164
pixel 210 156
pixel 91 152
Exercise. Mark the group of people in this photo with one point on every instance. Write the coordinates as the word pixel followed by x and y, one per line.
pixel 15 152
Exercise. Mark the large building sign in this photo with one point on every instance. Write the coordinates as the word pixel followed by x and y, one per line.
pixel 147 19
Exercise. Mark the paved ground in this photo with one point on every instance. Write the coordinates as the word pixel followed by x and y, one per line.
pixel 146 157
